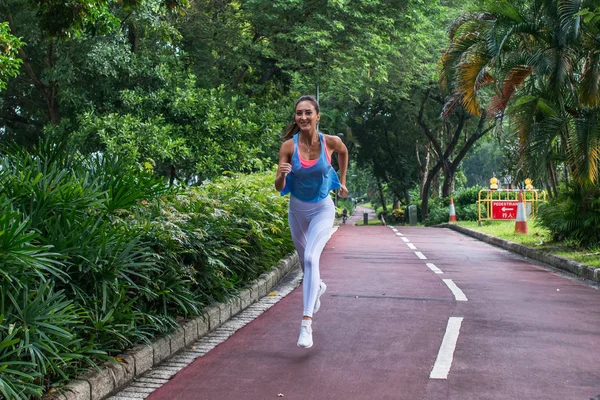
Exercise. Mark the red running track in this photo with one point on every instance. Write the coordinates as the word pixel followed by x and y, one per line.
pixel 528 333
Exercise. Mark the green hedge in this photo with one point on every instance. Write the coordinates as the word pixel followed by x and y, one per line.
pixel 465 206
pixel 97 255
pixel 344 203
pixel 574 216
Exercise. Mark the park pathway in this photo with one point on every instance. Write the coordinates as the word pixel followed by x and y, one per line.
pixel 413 313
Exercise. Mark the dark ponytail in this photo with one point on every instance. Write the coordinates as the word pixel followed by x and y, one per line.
pixel 291 129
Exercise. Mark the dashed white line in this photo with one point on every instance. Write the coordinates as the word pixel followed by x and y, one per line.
pixel 399 234
pixel 434 268
pixel 411 246
pixel 443 362
pixel 420 255
pixel 458 294
pixel 405 239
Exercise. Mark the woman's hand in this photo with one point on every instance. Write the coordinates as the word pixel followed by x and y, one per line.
pixel 283 169
pixel 343 192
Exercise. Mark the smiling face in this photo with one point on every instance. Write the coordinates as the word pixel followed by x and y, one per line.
pixel 307 116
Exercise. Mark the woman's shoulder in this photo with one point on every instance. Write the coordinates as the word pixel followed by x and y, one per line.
pixel 331 139
pixel 288 145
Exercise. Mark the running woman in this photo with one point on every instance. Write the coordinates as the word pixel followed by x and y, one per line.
pixel 306 173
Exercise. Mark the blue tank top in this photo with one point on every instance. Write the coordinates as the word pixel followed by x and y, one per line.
pixel 310 184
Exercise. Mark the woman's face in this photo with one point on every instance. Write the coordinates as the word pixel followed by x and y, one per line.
pixel 306 116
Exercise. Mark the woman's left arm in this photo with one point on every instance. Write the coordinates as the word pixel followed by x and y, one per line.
pixel 339 147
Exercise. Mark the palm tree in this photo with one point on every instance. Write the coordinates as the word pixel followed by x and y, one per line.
pixel 539 63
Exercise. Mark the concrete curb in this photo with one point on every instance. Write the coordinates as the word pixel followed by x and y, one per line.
pixel 581 270
pixel 135 362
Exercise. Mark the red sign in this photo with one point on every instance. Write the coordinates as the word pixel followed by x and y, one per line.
pixel 506 209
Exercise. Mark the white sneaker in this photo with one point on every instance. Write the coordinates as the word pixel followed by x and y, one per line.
pixel 305 338
pixel 322 289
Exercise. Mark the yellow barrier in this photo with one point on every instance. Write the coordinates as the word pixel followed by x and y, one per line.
pixel 498 204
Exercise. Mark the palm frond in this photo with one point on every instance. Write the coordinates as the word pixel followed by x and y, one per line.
pixel 514 79
pixel 584 149
pixel 451 102
pixel 505 9
pixel 467 18
pixel 529 29
pixel 454 53
pixel 471 76
pixel 570 20
pixel 589 89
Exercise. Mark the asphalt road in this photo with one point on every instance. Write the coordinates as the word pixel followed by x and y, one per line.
pixel 487 326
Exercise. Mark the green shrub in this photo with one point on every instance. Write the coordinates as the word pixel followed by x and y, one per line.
pixel 468 212
pixel 397 216
pixel 466 196
pixel 574 215
pixel 465 206
pixel 347 204
pixel 438 215
pixel 98 255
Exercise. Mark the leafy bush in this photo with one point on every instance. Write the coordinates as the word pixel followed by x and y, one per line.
pixel 437 215
pixel 468 212
pixel 574 215
pixel 397 216
pixel 467 196
pixel 465 206
pixel 98 255
pixel 347 204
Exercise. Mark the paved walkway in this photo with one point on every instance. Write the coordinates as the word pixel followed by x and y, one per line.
pixel 412 313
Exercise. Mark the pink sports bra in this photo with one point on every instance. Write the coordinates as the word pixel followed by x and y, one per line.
pixel 310 163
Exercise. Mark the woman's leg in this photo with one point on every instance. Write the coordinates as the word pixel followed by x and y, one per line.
pixel 298 227
pixel 319 230
pixel 310 225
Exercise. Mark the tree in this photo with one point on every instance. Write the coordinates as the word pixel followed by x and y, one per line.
pixel 449 148
pixel 61 64
pixel 539 62
pixel 9 48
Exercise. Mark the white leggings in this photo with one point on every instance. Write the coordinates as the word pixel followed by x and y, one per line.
pixel 311 225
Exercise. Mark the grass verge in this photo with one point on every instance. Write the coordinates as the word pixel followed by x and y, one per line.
pixel 374 221
pixel 538 238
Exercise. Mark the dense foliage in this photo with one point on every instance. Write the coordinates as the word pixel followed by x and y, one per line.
pixel 574 216
pixel 536 63
pixel 122 210
pixel 98 254
pixel 9 62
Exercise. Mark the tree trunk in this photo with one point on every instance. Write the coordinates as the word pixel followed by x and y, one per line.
pixel 172 175
pixel 133 38
pixel 435 185
pixel 395 205
pixel 449 174
pixel 381 195
pixel 425 192
pixel 424 167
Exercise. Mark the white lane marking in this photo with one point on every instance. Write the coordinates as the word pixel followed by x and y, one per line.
pixel 434 268
pixel 458 294
pixel 420 255
pixel 411 246
pixel 395 230
pixel 399 234
pixel 391 227
pixel 405 239
pixel 443 362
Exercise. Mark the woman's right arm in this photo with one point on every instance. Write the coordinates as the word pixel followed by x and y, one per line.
pixel 284 167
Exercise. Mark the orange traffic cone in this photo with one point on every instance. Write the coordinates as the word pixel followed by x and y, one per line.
pixel 521 224
pixel 452 211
